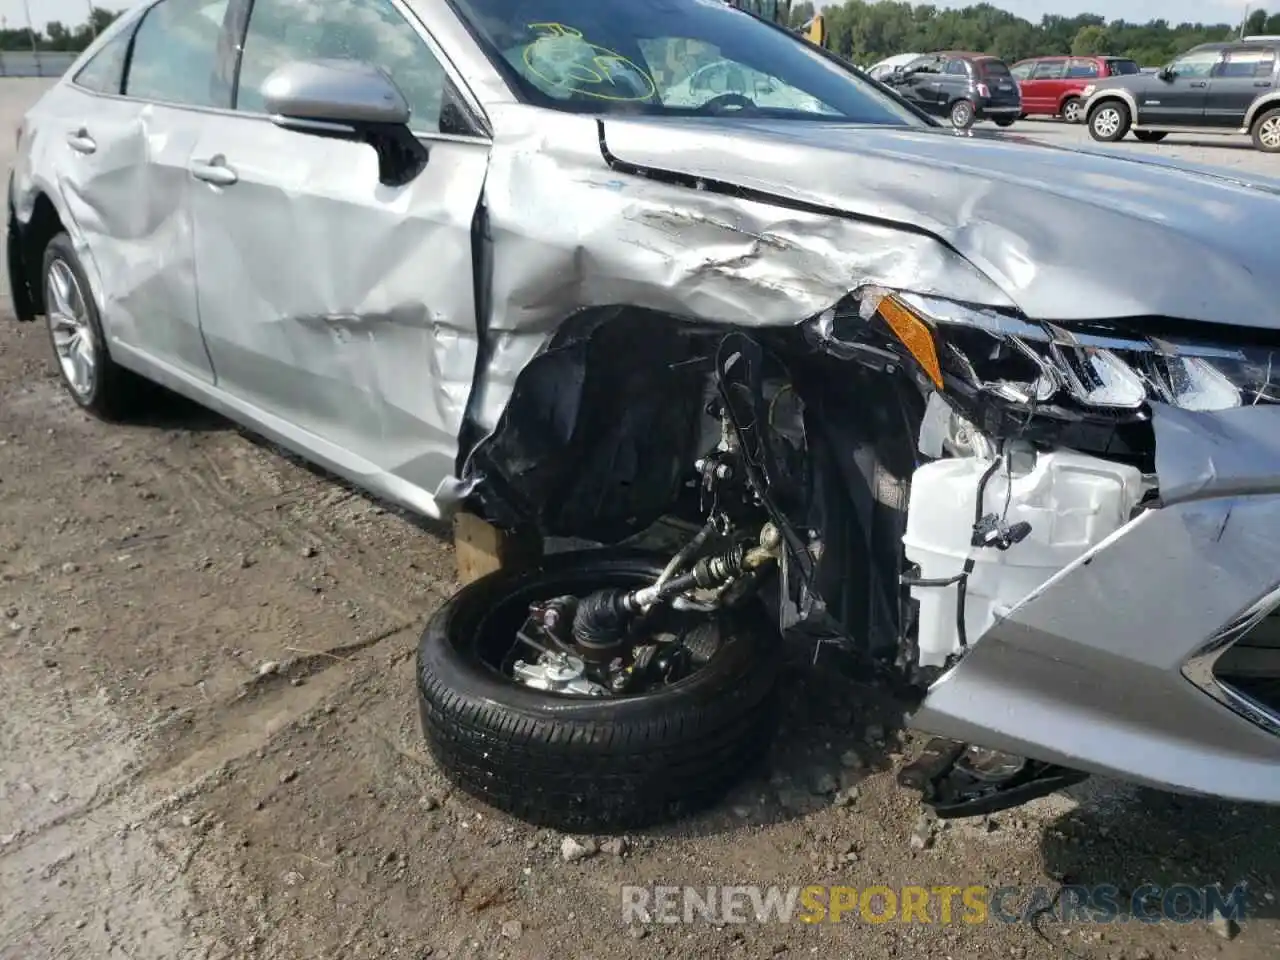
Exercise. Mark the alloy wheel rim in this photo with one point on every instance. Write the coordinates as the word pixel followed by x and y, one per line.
pixel 69 325
pixel 960 115
pixel 1107 122
pixel 1071 113
pixel 1270 133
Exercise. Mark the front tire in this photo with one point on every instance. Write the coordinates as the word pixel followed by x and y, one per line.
pixel 962 115
pixel 95 382
pixel 589 763
pixel 1150 136
pixel 1109 121
pixel 1266 132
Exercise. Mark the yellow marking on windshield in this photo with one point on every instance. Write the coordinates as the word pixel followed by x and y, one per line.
pixel 553 30
pixel 601 71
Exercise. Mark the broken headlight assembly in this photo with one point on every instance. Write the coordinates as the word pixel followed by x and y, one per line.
pixel 1002 368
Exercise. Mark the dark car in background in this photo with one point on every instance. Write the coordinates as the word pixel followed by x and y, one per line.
pixel 964 87
pixel 1223 88
pixel 1054 86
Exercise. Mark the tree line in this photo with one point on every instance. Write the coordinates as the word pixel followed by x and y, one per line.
pixel 58 36
pixel 865 32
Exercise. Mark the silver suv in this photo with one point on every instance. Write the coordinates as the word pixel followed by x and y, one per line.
pixel 1215 88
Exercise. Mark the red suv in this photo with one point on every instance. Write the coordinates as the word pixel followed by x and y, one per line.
pixel 1052 85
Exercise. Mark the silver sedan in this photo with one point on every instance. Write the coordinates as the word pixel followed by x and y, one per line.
pixel 994 418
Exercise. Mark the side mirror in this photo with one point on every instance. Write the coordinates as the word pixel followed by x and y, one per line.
pixel 347 100
pixel 1166 72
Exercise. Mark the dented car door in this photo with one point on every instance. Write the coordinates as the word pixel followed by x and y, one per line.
pixel 327 297
pixel 125 153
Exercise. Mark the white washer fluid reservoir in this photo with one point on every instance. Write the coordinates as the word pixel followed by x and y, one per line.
pixel 1071 500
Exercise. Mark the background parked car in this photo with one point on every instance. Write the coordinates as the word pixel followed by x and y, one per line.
pixel 1219 88
pixel 965 87
pixel 1053 86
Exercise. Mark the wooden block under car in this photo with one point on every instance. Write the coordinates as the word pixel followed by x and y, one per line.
pixel 480 548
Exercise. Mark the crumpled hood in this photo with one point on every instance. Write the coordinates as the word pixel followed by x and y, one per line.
pixel 1066 234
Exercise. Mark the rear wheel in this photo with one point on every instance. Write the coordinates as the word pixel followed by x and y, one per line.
pixel 1150 136
pixel 1109 121
pixel 1073 110
pixel 1266 132
pixel 1004 121
pixel 962 115
pixel 540 738
pixel 95 381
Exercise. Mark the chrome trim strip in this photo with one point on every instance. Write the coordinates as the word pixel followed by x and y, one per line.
pixel 1199 668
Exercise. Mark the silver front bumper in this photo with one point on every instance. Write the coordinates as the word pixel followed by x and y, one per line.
pixel 1113 665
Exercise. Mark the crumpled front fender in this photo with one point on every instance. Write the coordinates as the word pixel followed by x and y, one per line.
pixel 1091 670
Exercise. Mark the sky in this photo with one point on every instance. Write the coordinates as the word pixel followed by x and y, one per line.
pixel 1175 11
pixel 42 11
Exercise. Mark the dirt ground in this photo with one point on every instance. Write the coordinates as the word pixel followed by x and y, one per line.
pixel 209 749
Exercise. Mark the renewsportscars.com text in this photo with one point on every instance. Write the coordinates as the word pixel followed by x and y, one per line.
pixel 971 905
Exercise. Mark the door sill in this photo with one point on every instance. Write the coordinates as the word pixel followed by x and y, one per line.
pixel 1194 131
pixel 315 449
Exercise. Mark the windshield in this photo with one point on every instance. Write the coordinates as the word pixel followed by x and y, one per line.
pixel 994 68
pixel 669 58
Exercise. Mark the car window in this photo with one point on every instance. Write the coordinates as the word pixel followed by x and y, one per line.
pixel 956 68
pixel 1247 64
pixel 1197 63
pixel 639 57
pixel 1048 70
pixel 180 55
pixel 104 73
pixel 371 31
pixel 1122 68
pixel 924 65
pixel 1022 71
pixel 991 67
pixel 1082 68
pixel 710 76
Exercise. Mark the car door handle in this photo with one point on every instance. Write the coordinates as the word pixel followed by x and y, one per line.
pixel 1262 83
pixel 215 171
pixel 1200 83
pixel 81 142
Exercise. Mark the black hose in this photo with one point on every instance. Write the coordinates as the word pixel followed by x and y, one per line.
pixel 962 590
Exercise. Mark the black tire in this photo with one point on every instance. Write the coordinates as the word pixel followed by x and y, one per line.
pixel 1266 131
pixel 1150 136
pixel 1072 109
pixel 1109 121
pixel 586 764
pixel 962 115
pixel 1004 121
pixel 113 392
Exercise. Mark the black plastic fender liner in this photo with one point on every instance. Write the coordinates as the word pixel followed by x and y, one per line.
pixel 580 763
pixel 20 294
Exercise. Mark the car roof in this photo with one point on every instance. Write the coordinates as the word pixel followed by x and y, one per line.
pixel 965 55
pixel 1074 56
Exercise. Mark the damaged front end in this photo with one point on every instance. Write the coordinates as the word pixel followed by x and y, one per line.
pixel 972 503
